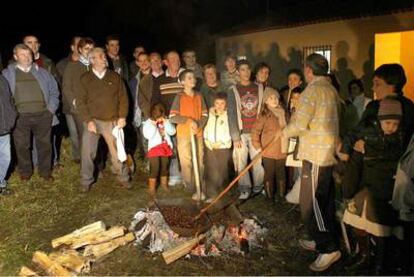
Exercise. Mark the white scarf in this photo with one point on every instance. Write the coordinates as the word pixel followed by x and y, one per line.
pixel 84 61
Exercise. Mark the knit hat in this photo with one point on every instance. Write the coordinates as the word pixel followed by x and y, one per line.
pixel 269 92
pixel 389 109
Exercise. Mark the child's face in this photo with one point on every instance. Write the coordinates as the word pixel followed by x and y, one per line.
pixel 262 75
pixel 294 81
pixel 220 105
pixel 355 90
pixel 189 80
pixel 294 100
pixel 389 126
pixel 272 101
pixel 230 64
pixel 245 72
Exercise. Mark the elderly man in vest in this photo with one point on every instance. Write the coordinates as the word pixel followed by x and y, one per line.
pixel 36 97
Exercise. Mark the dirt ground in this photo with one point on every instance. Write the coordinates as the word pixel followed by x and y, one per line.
pixel 37 212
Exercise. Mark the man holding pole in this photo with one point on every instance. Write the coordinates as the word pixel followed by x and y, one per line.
pixel 189 112
pixel 316 124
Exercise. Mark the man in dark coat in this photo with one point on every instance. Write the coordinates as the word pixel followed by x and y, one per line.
pixel 7 120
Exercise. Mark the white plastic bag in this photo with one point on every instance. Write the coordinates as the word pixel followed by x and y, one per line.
pixel 118 133
pixel 293 195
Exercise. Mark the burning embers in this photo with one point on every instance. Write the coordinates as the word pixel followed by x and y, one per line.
pixel 153 232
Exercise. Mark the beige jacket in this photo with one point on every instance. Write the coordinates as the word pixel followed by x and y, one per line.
pixel 316 123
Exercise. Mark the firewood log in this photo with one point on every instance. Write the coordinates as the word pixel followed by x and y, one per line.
pixel 72 260
pixel 184 248
pixel 108 235
pixel 93 228
pixel 26 272
pixel 99 250
pixel 51 267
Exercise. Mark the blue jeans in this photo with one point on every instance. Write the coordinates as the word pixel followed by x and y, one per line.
pixel 175 174
pixel 240 158
pixel 5 157
pixel 75 132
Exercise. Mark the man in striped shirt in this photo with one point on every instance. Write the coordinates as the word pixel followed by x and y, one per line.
pixel 316 124
pixel 165 88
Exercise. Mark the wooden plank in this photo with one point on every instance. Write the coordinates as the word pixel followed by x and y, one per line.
pixel 25 272
pixel 51 267
pixel 72 260
pixel 93 228
pixel 114 232
pixel 184 248
pixel 98 251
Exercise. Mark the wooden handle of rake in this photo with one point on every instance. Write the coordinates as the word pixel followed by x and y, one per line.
pixel 195 165
pixel 244 171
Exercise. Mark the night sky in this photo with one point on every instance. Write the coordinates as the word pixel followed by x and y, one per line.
pixel 159 24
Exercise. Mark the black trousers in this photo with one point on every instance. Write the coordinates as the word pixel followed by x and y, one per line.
pixel 40 125
pixel 408 248
pixel 218 168
pixel 274 174
pixel 159 167
pixel 317 206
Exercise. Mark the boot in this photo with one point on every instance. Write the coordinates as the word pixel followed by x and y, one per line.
pixel 270 194
pixel 152 186
pixel 164 183
pixel 359 260
pixel 377 257
pixel 281 186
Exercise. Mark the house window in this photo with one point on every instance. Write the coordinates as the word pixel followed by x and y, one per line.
pixel 324 50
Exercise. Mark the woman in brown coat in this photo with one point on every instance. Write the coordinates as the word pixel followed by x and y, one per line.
pixel 270 122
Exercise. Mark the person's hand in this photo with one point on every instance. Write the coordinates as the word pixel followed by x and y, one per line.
pixel 92 127
pixel 360 146
pixel 238 144
pixel 193 125
pixel 343 157
pixel 121 122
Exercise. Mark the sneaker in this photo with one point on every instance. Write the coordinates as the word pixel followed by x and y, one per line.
pixel 58 166
pixel 309 245
pixel 257 190
pixel 174 181
pixel 25 178
pixel 195 197
pixel 4 191
pixel 125 185
pixel 244 195
pixel 101 175
pixel 209 200
pixel 48 178
pixel 85 188
pixel 324 261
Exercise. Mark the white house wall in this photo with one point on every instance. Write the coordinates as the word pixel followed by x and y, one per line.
pixel 352 44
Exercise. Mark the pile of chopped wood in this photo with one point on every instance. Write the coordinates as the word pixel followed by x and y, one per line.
pixel 76 251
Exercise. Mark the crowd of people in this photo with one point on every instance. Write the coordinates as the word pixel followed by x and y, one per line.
pixel 199 128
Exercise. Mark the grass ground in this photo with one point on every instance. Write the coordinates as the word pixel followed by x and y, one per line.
pixel 38 211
